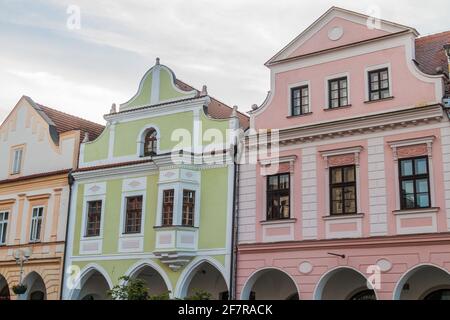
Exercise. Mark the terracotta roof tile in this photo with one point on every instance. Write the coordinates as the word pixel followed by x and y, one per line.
pixel 430 52
pixel 65 122
pixel 217 109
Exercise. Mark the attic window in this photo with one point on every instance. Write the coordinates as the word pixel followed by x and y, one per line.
pixel 17 155
pixel 150 142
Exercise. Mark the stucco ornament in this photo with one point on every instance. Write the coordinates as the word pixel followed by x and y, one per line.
pixel 335 33
pixel 384 264
pixel 305 267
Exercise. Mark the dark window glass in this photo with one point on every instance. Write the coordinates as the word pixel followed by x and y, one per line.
pixel 167 217
pixel 299 100
pixel 343 190
pixel 337 93
pixel 133 214
pixel 94 218
pixel 150 143
pixel 188 208
pixel 278 197
pixel 378 84
pixel 414 183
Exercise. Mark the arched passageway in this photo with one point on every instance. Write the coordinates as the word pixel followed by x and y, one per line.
pixel 270 284
pixel 36 289
pixel 205 277
pixel 4 289
pixel 425 282
pixel 344 284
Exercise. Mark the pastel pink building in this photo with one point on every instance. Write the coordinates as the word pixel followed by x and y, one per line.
pixel 361 193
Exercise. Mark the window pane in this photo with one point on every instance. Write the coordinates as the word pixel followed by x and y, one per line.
pixel 409 201
pixel 350 206
pixel 334 95
pixel 384 75
pixel 343 83
pixel 284 206
pixel 334 85
pixel 350 193
pixel 421 166
pixel 422 186
pixel 305 101
pixel 384 84
pixel 349 174
pixel 296 93
pixel 385 94
pixel 336 207
pixel 343 93
pixel 374 77
pixel 406 168
pixel 423 200
pixel 273 183
pixel 375 86
pixel 284 181
pixel 344 102
pixel 334 103
pixel 374 96
pixel 408 187
pixel 336 175
pixel 336 194
pixel 305 92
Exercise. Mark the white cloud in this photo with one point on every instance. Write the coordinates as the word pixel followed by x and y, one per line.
pixel 221 44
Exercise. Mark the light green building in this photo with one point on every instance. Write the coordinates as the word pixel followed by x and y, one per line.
pixel 153 198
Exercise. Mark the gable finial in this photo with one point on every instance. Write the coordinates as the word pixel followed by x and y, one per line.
pixel 204 90
pixel 234 113
pixel 113 109
pixel 86 137
pixel 157 61
pixel 254 106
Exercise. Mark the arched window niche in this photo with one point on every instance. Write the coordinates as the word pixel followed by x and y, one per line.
pixel 148 142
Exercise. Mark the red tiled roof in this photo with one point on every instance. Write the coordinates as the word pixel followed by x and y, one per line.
pixel 217 109
pixel 430 52
pixel 65 122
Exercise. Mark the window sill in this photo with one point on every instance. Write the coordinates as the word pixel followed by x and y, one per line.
pixel 416 211
pixel 91 238
pixel 344 216
pixel 131 235
pixel 338 108
pixel 379 100
pixel 300 115
pixel 281 221
pixel 174 227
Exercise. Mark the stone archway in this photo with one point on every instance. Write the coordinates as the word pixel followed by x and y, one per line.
pixel 344 284
pixel 424 282
pixel 36 289
pixel 155 282
pixel 4 289
pixel 270 284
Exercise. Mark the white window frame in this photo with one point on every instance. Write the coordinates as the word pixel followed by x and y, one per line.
pixel 85 220
pixel 178 188
pixel 366 80
pixel 327 89
pixel 33 229
pixel 4 221
pixel 409 143
pixel 295 85
pixel 356 151
pixel 16 167
pixel 141 140
pixel 123 215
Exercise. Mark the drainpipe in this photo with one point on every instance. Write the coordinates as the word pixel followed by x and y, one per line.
pixel 234 235
pixel 71 181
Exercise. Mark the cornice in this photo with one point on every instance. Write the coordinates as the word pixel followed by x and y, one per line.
pixel 359 125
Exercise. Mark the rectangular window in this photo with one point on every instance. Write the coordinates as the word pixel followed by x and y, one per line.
pixel 299 100
pixel 17 161
pixel 167 214
pixel 36 224
pixel 338 93
pixel 188 208
pixel 414 183
pixel 278 197
pixel 379 84
pixel 343 190
pixel 94 216
pixel 3 227
pixel 133 215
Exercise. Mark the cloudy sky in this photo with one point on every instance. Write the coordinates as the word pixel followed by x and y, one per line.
pixel 223 44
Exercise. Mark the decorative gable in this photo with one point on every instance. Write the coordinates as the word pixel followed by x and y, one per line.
pixel 157 86
pixel 337 27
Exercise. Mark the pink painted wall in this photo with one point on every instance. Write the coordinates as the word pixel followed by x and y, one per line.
pixel 407 90
pixel 353 32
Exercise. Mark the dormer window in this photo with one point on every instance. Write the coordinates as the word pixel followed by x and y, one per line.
pixel 150 142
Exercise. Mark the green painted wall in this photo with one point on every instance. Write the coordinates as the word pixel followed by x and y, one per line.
pixel 143 98
pixel 167 91
pixel 214 193
pixel 98 149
